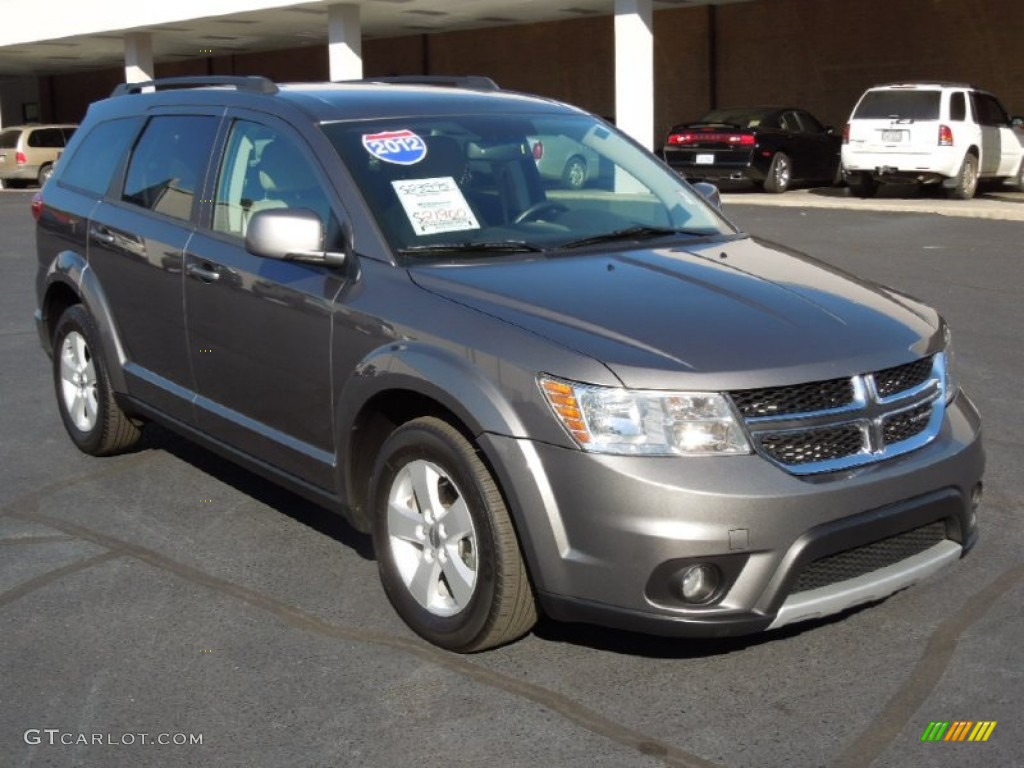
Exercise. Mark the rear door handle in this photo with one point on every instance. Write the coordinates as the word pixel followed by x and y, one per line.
pixel 101 235
pixel 202 273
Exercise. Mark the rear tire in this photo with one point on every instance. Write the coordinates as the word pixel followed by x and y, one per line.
pixel 44 174
pixel 966 181
pixel 574 175
pixel 446 549
pixel 862 184
pixel 780 173
pixel 93 419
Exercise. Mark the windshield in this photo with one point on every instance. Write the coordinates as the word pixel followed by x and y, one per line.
pixel 486 185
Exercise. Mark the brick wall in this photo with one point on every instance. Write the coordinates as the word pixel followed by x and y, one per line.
pixel 819 54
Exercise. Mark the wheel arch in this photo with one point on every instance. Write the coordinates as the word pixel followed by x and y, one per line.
pixel 71 281
pixel 397 385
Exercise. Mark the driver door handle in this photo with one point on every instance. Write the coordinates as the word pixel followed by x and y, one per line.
pixel 202 273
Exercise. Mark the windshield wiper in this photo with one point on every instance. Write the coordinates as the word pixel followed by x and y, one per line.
pixel 639 232
pixel 501 246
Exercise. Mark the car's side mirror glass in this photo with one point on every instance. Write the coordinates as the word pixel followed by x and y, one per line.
pixel 290 234
pixel 710 193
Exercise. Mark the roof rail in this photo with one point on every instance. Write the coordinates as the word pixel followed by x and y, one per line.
pixel 252 84
pixel 911 83
pixel 474 82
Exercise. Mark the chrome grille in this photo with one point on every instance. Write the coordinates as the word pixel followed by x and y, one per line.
pixel 824 426
pixel 903 426
pixel 903 377
pixel 809 445
pixel 855 562
pixel 801 398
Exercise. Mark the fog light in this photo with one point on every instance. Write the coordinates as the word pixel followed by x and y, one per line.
pixel 699 583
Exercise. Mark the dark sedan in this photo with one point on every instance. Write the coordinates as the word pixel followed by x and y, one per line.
pixel 770 146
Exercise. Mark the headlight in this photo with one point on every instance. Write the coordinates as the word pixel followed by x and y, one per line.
pixel 653 423
pixel 950 379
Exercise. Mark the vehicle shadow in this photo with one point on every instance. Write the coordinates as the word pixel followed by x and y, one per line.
pixel 266 492
pixel 675 648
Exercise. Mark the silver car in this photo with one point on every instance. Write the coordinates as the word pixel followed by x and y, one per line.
pixel 28 152
pixel 606 404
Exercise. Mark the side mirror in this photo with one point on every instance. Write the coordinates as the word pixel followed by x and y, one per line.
pixel 710 193
pixel 290 234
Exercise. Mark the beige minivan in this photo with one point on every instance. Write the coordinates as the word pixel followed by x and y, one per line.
pixel 28 152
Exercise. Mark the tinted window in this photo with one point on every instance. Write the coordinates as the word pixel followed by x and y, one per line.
pixel 9 138
pixel 264 169
pixel 169 162
pixel 789 122
pixel 809 123
pixel 990 111
pixel 93 164
pixel 957 106
pixel 899 105
pixel 46 137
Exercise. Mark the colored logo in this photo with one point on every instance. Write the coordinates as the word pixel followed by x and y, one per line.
pixel 400 147
pixel 958 730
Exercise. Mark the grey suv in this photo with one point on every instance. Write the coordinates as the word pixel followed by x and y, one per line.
pixel 607 404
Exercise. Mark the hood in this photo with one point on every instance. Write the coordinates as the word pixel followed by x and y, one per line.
pixel 723 315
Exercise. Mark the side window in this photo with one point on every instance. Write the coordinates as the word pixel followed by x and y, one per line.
pixel 957 106
pixel 809 123
pixel 168 163
pixel 789 122
pixel 92 166
pixel 264 169
pixel 990 111
pixel 46 138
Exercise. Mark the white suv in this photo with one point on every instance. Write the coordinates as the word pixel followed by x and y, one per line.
pixel 931 133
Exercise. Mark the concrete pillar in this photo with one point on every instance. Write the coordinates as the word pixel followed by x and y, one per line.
pixel 344 42
pixel 138 57
pixel 634 69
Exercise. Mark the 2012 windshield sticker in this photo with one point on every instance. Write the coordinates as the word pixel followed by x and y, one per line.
pixel 435 205
pixel 399 147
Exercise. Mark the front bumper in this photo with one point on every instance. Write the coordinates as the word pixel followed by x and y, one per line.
pixel 606 537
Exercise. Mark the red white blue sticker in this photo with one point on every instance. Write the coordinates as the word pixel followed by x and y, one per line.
pixel 400 147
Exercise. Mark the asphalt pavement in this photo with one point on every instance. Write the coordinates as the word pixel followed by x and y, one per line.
pixel 166 608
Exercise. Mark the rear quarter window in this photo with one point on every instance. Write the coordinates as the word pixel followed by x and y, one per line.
pixel 92 165
pixel 899 105
pixel 9 138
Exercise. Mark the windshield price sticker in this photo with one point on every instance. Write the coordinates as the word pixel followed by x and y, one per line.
pixel 399 147
pixel 435 205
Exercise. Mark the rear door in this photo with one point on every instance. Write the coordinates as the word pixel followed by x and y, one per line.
pixel 137 241
pixel 897 121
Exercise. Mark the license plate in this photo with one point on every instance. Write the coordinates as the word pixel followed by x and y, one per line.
pixel 705 159
pixel 893 136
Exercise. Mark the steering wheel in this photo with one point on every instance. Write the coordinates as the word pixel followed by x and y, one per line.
pixel 532 213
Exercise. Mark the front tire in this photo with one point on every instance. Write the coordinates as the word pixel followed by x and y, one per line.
pixel 93 419
pixel 966 181
pixel 780 173
pixel 446 549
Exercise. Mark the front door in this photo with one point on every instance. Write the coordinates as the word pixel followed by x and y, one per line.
pixel 259 330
